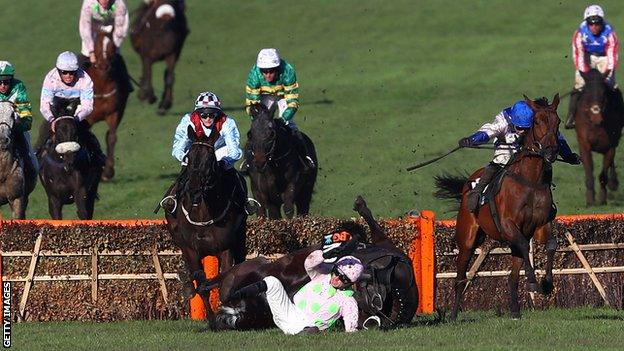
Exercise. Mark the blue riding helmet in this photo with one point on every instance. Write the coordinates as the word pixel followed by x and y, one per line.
pixel 521 115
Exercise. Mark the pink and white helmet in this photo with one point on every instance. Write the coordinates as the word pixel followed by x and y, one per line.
pixel 593 10
pixel 208 99
pixel 351 267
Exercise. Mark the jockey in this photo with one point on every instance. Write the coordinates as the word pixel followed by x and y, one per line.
pixel 14 90
pixel 104 15
pixel 507 130
pixel 273 82
pixel 68 81
pixel 594 45
pixel 208 112
pixel 318 304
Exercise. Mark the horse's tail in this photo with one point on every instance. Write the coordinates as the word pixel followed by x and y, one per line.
pixel 450 186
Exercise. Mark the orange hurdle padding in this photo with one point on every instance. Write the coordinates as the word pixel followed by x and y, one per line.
pixel 198 309
pixel 427 263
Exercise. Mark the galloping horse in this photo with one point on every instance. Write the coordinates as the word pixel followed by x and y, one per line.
pixel 158 33
pixel 67 171
pixel 386 293
pixel 599 119
pixel 109 99
pixel 276 171
pixel 209 218
pixel 16 183
pixel 521 209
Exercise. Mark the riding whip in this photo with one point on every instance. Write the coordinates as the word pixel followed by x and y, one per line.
pixel 423 164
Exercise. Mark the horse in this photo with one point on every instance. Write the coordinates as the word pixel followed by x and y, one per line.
pixel 68 172
pixel 386 294
pixel 209 218
pixel 17 183
pixel 109 99
pixel 521 209
pixel 157 34
pixel 599 119
pixel 275 167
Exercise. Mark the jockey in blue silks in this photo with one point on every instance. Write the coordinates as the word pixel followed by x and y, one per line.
pixel 207 113
pixel 507 130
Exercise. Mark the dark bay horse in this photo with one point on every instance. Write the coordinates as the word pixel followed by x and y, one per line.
pixel 67 171
pixel 158 33
pixel 599 119
pixel 109 98
pixel 275 168
pixel 17 181
pixel 209 218
pixel 387 294
pixel 522 208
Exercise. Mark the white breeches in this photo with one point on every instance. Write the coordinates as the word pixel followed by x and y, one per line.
pixel 286 315
pixel 599 63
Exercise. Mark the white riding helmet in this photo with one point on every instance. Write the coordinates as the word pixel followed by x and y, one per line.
pixel 208 99
pixel 67 61
pixel 268 58
pixel 593 10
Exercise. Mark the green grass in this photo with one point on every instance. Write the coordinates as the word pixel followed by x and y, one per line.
pixel 384 85
pixel 576 329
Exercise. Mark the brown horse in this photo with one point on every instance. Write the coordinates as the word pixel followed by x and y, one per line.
pixel 18 181
pixel 158 33
pixel 521 209
pixel 599 119
pixel 109 98
pixel 387 294
pixel 275 167
pixel 209 218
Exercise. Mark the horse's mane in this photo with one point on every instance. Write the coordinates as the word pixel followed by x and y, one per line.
pixel 6 110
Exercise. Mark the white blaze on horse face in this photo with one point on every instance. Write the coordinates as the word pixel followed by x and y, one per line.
pixel 165 10
pixel 595 109
pixel 105 43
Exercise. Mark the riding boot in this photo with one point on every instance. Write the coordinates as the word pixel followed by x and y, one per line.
pixel 474 195
pixel 247 156
pixel 23 151
pixel 92 145
pixel 43 137
pixel 248 291
pixel 574 96
pixel 304 152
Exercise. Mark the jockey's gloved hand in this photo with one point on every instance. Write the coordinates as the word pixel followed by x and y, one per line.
pixel 336 250
pixel 606 74
pixel 573 159
pixel 465 142
pixel 222 164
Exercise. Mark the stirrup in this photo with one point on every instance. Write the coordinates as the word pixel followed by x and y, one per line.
pixel 252 206
pixel 165 203
pixel 310 162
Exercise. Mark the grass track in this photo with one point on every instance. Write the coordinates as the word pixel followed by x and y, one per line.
pixel 384 85
pixel 576 329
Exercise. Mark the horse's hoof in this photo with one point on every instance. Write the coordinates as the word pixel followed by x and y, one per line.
pixel 108 174
pixel 533 287
pixel 188 291
pixel 546 286
pixel 161 111
pixel 152 99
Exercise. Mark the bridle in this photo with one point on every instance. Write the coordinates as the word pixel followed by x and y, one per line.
pixel 270 155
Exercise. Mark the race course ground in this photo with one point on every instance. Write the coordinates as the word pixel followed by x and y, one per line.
pixel 384 85
pixel 575 329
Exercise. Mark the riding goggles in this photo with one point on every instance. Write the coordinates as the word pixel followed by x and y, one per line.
pixel 62 72
pixel 208 113
pixel 594 20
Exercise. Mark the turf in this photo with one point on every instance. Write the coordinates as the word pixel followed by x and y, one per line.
pixel 384 85
pixel 576 329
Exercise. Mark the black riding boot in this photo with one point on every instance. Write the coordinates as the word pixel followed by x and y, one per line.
pixel 304 152
pixel 574 96
pixel 42 138
pixel 251 290
pixel 23 150
pixel 475 194
pixel 92 144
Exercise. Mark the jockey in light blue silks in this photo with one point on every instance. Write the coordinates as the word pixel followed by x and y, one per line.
pixel 507 131
pixel 206 113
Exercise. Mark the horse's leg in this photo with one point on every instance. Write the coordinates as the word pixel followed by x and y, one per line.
pixel 196 268
pixel 588 165
pixel 18 209
pixel 55 207
pixel 111 139
pixel 607 161
pixel 465 236
pixel 544 236
pixel 147 90
pixel 167 96
pixel 514 277
pixel 517 241
pixel 304 197
pixel 274 211
pixel 378 236
pixel 239 248
pixel 81 197
pixel 613 184
pixel 288 198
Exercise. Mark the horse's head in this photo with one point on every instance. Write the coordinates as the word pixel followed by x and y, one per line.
pixel 202 167
pixel 104 48
pixel 7 119
pixel 594 99
pixel 541 138
pixel 65 130
pixel 263 136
